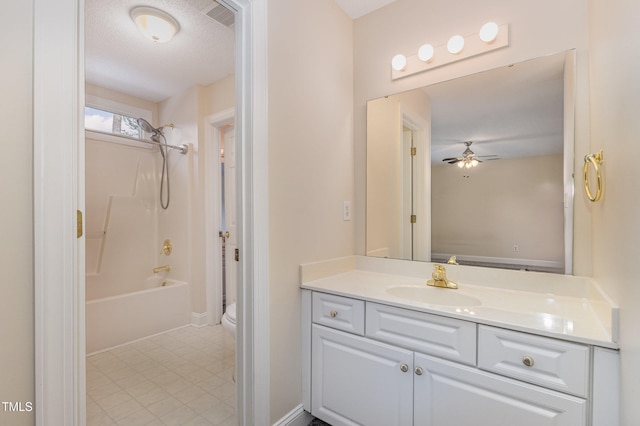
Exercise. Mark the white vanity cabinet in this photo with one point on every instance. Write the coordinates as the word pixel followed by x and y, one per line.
pixel 375 364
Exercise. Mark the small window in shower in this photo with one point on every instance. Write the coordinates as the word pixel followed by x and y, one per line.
pixel 110 122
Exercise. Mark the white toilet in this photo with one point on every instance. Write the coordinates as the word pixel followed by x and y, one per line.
pixel 229 319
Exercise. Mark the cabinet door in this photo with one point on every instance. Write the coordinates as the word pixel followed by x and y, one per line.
pixel 357 381
pixel 449 394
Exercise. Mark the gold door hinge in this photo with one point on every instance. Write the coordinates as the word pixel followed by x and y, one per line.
pixel 413 151
pixel 78 223
pixel 413 218
pixel 237 255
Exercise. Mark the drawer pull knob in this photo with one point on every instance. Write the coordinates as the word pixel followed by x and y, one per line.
pixel 419 371
pixel 333 313
pixel 528 361
pixel 404 367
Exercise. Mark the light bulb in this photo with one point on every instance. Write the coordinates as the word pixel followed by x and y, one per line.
pixel 474 162
pixel 460 164
pixel 455 44
pixel 399 62
pixel 489 32
pixel 425 53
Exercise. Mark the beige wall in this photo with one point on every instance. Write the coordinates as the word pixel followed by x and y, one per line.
pixel 123 98
pixel 16 255
pixel 403 26
pixel 386 172
pixel 615 128
pixel 220 96
pixel 486 215
pixel 310 166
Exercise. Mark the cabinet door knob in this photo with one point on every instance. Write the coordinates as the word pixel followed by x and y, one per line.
pixel 333 313
pixel 419 371
pixel 528 361
pixel 404 367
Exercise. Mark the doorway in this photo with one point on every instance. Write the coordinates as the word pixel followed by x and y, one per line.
pixel 221 216
pixel 58 255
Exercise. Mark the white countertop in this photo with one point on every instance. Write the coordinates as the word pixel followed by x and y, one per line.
pixel 575 309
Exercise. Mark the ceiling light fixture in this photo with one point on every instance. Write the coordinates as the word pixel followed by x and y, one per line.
pixel 155 24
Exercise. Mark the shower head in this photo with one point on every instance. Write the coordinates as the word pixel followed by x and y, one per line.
pixel 144 125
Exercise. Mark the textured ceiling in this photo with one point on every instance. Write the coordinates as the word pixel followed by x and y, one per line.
pixel 118 57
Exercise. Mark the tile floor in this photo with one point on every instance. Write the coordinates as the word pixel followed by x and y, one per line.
pixel 182 377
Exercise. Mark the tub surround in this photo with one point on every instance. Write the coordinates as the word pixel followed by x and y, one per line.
pixel 117 320
pixel 566 307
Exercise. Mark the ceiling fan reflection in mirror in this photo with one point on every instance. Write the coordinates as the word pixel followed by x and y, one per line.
pixel 469 159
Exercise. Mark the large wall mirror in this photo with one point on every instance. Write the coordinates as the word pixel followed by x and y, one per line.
pixel 479 167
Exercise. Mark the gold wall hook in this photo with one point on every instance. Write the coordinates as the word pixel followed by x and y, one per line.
pixel 167 248
pixel 595 160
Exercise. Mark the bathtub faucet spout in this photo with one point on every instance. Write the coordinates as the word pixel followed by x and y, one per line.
pixel 165 268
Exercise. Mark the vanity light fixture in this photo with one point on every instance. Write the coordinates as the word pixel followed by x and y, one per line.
pixel 154 24
pixel 491 37
pixel 425 53
pixel 455 44
pixel 399 62
pixel 489 32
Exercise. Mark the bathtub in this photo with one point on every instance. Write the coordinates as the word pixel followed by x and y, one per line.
pixel 116 320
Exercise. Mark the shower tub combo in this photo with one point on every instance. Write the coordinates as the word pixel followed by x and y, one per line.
pixel 123 302
pixel 116 320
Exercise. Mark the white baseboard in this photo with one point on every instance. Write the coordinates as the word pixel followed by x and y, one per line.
pixel 198 320
pixel 296 417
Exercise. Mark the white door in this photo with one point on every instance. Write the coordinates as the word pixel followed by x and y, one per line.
pixel 230 212
pixel 357 381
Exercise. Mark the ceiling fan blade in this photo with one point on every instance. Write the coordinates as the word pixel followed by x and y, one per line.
pixel 490 155
pixel 451 158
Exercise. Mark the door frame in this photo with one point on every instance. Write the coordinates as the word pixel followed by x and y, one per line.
pixel 213 125
pixel 58 189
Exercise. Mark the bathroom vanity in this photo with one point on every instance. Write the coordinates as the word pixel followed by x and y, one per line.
pixel 507 347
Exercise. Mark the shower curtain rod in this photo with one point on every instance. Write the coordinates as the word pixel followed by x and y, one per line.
pixel 184 148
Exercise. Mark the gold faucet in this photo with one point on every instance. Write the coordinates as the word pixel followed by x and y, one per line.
pixel 165 268
pixel 452 261
pixel 440 278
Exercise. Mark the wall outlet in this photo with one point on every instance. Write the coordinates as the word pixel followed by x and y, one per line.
pixel 346 210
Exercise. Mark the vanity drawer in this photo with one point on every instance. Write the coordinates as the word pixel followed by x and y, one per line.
pixel 339 312
pixel 425 333
pixel 547 362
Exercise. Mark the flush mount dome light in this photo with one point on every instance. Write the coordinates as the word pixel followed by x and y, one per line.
pixel 155 24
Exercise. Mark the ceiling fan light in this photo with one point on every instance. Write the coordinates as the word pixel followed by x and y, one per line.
pixel 154 24
pixel 460 164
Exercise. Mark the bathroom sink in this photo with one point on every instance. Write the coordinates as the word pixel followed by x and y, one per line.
pixel 433 295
